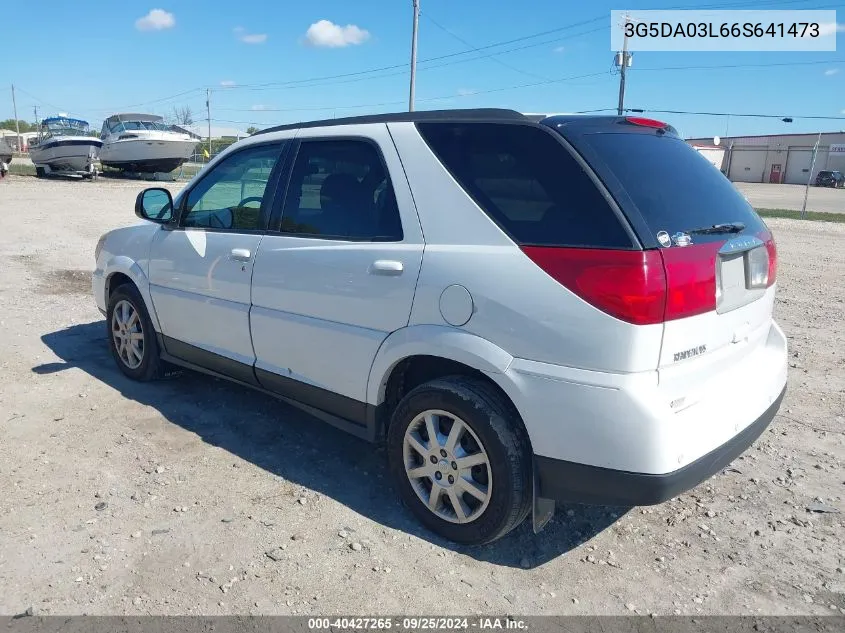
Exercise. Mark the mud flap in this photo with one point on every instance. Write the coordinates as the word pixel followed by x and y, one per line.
pixel 542 509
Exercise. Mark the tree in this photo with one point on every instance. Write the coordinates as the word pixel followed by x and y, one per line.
pixel 9 124
pixel 251 130
pixel 183 116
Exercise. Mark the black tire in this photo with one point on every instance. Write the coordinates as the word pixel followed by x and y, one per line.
pixel 151 364
pixel 494 420
pixel 39 172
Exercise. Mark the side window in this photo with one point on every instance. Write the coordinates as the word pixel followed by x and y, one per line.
pixel 341 189
pixel 231 196
pixel 527 183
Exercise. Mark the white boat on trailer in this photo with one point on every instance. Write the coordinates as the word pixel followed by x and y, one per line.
pixel 64 146
pixel 143 143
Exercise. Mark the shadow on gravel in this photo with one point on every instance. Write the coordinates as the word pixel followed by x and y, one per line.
pixel 305 451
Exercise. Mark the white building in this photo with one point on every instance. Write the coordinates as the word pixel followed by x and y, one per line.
pixel 27 138
pixel 780 158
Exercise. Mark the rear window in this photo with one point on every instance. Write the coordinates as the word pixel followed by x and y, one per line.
pixel 528 183
pixel 674 187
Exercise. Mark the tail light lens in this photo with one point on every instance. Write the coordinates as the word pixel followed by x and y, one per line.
pixel 691 279
pixel 639 287
pixel 772 249
pixel 629 285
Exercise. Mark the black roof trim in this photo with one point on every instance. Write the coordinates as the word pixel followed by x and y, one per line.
pixel 466 114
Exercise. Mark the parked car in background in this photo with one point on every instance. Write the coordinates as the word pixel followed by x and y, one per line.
pixel 828 178
pixel 523 309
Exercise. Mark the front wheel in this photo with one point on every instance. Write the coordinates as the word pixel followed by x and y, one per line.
pixel 131 336
pixel 461 459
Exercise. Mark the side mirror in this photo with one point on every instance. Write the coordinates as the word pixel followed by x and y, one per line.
pixel 155 205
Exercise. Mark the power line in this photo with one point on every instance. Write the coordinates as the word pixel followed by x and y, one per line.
pixel 436 58
pixel 735 114
pixel 491 56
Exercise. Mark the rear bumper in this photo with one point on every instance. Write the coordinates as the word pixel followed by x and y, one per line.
pixel 579 483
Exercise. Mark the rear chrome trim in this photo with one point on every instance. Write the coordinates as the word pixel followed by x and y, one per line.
pixel 740 245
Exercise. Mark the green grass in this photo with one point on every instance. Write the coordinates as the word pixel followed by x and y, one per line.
pixel 818 216
pixel 19 169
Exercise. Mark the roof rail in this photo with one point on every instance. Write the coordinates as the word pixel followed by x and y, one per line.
pixel 466 114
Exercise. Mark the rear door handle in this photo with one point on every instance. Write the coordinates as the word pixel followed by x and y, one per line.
pixel 386 267
pixel 240 254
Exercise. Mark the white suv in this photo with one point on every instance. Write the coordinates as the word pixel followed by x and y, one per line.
pixel 524 309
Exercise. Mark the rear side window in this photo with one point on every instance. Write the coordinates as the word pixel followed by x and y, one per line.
pixel 528 183
pixel 675 188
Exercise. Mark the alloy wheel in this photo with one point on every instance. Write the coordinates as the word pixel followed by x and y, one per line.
pixel 128 334
pixel 448 467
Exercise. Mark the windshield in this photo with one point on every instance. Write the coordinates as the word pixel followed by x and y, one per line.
pixel 673 186
pixel 67 127
pixel 128 126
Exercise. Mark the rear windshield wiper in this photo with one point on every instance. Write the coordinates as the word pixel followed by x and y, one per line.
pixel 729 227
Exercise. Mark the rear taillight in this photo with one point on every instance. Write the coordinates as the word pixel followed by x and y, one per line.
pixel 691 279
pixel 629 285
pixel 772 249
pixel 640 287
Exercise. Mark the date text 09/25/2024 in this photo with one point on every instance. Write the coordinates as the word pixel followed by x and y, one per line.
pixel 415 623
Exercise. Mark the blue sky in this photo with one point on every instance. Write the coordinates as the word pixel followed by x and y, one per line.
pixel 137 56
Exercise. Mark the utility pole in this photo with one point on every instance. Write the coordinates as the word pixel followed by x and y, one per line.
pixel 208 117
pixel 810 177
pixel 623 60
pixel 15 110
pixel 414 55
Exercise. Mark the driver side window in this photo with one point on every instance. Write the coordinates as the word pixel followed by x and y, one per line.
pixel 232 196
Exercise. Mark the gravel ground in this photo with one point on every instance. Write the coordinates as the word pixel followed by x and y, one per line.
pixel 195 496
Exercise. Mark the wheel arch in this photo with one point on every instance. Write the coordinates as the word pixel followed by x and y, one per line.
pixel 417 354
pixel 122 270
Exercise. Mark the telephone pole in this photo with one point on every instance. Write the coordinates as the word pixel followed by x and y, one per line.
pixel 208 117
pixel 623 60
pixel 414 55
pixel 17 125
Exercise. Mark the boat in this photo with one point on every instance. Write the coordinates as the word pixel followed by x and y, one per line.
pixel 143 143
pixel 65 145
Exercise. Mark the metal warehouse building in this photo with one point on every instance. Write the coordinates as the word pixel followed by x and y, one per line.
pixel 781 158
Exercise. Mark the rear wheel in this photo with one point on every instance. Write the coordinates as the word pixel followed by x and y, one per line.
pixel 39 172
pixel 132 338
pixel 461 459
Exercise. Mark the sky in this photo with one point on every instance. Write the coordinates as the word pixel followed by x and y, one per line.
pixel 283 61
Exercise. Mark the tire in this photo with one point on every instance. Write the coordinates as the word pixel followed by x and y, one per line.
pixel 150 365
pixel 493 430
pixel 39 172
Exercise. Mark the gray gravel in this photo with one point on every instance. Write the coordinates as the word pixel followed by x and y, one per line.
pixel 76 436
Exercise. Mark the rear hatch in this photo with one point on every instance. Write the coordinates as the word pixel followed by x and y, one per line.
pixel 719 258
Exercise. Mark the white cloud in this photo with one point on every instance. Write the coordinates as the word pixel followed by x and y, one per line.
pixel 259 107
pixel 831 71
pixel 830 28
pixel 466 92
pixel 250 38
pixel 156 20
pixel 330 35
pixel 559 49
pixel 228 83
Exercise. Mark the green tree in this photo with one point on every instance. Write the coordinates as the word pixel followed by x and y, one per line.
pixel 251 130
pixel 9 124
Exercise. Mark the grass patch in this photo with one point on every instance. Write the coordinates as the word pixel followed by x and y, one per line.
pixel 819 216
pixel 22 169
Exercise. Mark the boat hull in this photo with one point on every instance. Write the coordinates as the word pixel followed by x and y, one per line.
pixel 147 154
pixel 66 154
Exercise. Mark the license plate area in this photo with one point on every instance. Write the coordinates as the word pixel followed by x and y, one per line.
pixel 741 273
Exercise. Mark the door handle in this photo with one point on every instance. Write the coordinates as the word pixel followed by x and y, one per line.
pixel 240 254
pixel 386 267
